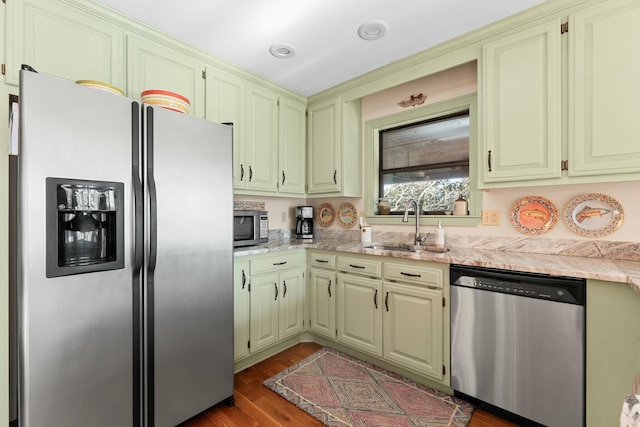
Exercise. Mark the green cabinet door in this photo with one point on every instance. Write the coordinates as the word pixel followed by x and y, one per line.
pixel 359 313
pixel 291 303
pixel 261 139
pixel 264 311
pixel 226 103
pixel 152 65
pixel 322 301
pixel 413 328
pixel 604 136
pixel 521 106
pixel 291 147
pixel 64 41
pixel 324 148
pixel 240 309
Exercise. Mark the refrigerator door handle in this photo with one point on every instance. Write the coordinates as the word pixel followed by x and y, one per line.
pixel 137 190
pixel 153 205
pixel 138 259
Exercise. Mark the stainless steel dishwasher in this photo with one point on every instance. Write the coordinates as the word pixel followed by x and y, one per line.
pixel 518 344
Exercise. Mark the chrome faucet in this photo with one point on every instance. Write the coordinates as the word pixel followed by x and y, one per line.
pixel 418 239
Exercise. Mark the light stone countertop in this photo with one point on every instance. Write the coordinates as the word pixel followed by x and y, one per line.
pixel 612 270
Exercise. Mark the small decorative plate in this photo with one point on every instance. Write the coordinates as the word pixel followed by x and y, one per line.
pixel 325 215
pixel 593 215
pixel 347 215
pixel 533 215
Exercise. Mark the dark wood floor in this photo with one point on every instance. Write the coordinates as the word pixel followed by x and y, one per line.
pixel 256 405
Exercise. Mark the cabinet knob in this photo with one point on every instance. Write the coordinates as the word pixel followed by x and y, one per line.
pixel 241 172
pixel 283 177
pixel 276 286
pixel 386 301
pixel 489 160
pixel 244 279
pixel 329 288
pixel 375 299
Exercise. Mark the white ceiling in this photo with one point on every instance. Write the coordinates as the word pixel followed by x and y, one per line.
pixel 323 32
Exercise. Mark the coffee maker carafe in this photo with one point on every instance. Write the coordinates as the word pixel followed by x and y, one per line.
pixel 304 222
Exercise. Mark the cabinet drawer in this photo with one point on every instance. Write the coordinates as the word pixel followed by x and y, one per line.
pixel 360 266
pixel 317 259
pixel 413 274
pixel 271 263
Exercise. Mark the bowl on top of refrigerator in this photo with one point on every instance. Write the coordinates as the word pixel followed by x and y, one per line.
pixel 166 99
pixel 101 86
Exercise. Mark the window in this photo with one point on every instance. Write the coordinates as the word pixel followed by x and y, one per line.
pixel 427 161
pixel 428 153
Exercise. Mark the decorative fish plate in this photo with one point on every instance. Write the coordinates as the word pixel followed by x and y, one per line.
pixel 593 215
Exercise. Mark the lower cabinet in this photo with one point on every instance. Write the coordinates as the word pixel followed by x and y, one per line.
pixel 240 309
pixel 277 299
pixel 359 314
pixel 396 310
pixel 322 295
pixel 413 329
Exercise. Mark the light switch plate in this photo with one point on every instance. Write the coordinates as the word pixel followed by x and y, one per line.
pixel 490 217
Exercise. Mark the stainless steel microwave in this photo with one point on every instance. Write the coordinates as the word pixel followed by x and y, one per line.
pixel 250 228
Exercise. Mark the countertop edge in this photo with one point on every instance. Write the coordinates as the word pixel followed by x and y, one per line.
pixel 611 270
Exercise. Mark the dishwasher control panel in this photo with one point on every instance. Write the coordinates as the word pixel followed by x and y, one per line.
pixel 561 289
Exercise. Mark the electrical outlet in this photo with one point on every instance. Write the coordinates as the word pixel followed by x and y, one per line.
pixel 490 217
pixel 283 217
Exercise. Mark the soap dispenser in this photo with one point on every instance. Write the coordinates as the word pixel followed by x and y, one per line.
pixel 439 235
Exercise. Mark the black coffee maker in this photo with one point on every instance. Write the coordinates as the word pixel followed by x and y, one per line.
pixel 304 222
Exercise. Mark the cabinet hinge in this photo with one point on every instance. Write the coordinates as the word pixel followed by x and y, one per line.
pixel 3 67
pixel 564 165
pixel 564 28
pixel 444 370
pixel 444 302
pixel 204 74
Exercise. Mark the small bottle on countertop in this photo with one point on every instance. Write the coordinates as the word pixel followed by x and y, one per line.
pixel 439 243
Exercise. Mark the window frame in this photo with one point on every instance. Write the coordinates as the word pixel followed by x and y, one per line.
pixel 372 129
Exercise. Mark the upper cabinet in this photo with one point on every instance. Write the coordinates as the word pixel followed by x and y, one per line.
pixel 152 65
pixel 334 154
pixel 226 104
pixel 539 119
pixel 64 41
pixel 521 106
pixel 261 139
pixel 268 134
pixel 291 147
pixel 604 136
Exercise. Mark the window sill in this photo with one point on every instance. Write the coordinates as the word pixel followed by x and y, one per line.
pixel 466 220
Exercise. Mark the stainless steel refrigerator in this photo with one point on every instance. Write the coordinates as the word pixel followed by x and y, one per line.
pixel 125 255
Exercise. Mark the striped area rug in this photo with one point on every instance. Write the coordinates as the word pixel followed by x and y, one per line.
pixel 341 390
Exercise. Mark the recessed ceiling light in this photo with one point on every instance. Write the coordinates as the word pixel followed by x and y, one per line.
pixel 373 30
pixel 282 50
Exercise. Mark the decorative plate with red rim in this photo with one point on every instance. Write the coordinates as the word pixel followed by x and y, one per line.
pixel 533 215
pixel 325 215
pixel 347 215
pixel 593 215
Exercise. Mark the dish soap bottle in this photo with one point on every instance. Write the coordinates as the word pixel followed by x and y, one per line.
pixel 439 236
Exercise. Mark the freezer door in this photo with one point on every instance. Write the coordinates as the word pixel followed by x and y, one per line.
pixel 189 275
pixel 76 332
